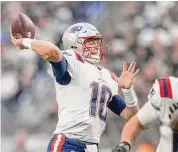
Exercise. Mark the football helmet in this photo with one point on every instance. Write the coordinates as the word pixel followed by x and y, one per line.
pixel 77 36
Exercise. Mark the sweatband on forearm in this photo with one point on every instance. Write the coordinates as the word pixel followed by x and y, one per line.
pixel 130 96
pixel 27 42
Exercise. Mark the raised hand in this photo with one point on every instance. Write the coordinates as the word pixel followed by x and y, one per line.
pixel 127 75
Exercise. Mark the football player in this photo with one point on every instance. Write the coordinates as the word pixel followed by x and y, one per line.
pixel 162 106
pixel 84 88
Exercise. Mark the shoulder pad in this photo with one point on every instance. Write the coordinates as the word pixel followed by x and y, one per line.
pixel 68 53
pixel 174 87
pixel 165 88
pixel 161 89
pixel 154 95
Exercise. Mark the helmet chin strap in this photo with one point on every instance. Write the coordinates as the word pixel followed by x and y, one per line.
pixel 93 59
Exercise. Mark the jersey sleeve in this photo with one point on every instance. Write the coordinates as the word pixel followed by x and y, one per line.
pixel 161 89
pixel 64 70
pixel 148 115
pixel 70 57
pixel 150 112
pixel 117 104
pixel 73 58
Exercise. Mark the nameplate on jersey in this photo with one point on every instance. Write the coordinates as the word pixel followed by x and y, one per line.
pixel 165 88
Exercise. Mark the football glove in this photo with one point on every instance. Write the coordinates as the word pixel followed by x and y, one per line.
pixel 122 147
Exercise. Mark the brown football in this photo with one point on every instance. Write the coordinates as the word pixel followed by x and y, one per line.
pixel 23 27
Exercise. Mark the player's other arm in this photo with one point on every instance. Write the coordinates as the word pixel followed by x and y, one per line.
pixel 131 100
pixel 119 107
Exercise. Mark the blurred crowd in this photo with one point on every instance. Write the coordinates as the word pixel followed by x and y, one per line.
pixel 146 32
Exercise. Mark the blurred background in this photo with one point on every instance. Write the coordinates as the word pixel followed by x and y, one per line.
pixel 146 32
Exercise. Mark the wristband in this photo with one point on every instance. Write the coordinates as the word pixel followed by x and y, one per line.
pixel 130 96
pixel 27 42
pixel 126 143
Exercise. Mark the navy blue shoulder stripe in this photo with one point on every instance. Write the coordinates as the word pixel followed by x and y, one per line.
pixel 60 71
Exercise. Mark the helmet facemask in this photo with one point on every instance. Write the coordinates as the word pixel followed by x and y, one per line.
pixel 93 48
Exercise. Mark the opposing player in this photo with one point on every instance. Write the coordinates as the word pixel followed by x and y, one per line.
pixel 162 106
pixel 84 88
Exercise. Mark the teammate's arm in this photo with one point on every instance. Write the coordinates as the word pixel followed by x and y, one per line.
pixel 131 131
pixel 133 128
pixel 143 119
pixel 128 112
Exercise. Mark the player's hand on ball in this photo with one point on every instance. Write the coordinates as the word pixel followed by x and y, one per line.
pixel 16 42
pixel 21 27
pixel 127 75
pixel 122 147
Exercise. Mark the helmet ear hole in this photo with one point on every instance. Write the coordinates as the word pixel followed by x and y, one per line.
pixel 73 47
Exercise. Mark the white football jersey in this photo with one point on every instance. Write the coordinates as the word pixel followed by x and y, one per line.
pixel 82 104
pixel 163 107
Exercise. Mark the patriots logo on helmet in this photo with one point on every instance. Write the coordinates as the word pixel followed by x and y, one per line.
pixel 75 29
pixel 151 93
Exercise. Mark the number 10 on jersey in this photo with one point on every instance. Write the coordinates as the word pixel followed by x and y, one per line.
pixel 100 96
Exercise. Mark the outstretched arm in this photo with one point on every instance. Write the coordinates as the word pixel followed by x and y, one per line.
pixel 47 50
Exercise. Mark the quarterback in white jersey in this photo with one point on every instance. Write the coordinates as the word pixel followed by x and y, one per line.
pixel 84 88
pixel 162 106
